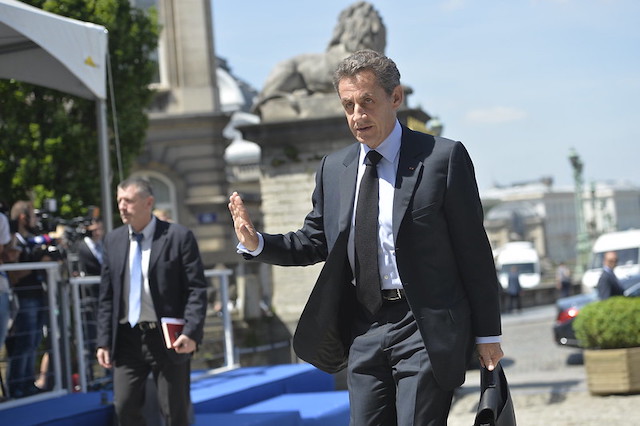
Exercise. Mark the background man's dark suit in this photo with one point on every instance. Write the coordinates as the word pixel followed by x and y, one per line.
pixel 89 264
pixel 444 258
pixel 178 289
pixel 608 285
pixel 176 280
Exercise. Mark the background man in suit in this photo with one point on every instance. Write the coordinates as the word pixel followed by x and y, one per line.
pixel 406 333
pixel 151 269
pixel 514 289
pixel 90 249
pixel 608 284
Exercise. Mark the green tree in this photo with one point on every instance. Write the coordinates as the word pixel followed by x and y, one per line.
pixel 48 139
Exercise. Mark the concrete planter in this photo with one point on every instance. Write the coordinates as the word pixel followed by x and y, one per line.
pixel 613 371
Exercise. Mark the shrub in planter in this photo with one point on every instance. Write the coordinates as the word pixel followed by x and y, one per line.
pixel 613 323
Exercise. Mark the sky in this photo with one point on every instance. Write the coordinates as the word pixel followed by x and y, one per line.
pixel 519 82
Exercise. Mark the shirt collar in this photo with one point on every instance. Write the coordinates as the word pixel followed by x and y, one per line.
pixel 389 148
pixel 148 230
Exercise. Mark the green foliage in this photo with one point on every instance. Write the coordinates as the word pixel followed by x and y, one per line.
pixel 613 323
pixel 48 139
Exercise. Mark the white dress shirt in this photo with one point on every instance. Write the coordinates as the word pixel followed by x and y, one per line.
pixel 147 311
pixel 387 167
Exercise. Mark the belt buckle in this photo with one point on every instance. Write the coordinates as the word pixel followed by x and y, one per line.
pixel 145 326
pixel 397 295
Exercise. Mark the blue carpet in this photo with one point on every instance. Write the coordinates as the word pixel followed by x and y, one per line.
pixel 315 408
pixel 222 393
pixel 235 389
pixel 76 409
pixel 291 418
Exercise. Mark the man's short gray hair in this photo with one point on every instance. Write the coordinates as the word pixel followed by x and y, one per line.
pixel 382 67
pixel 144 186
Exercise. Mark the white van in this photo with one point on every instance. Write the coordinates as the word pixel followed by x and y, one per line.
pixel 627 246
pixel 523 255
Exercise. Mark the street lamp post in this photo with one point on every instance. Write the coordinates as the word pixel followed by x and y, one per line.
pixel 582 238
pixel 435 126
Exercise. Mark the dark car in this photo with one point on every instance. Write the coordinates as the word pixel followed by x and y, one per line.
pixel 569 307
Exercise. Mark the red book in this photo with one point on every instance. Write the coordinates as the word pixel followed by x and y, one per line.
pixel 171 329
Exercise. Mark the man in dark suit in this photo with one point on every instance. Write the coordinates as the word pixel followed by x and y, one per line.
pixel 514 289
pixel 151 269
pixel 608 284
pixel 90 249
pixel 407 339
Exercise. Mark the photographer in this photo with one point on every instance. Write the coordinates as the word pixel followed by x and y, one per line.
pixel 26 332
pixel 5 291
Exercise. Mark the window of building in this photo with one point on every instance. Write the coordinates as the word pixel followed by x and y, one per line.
pixel 158 54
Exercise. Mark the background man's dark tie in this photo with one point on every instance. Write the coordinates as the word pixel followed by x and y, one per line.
pixel 366 237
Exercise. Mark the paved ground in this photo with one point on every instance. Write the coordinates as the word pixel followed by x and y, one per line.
pixel 548 383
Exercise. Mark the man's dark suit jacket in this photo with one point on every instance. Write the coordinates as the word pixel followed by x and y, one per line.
pixel 89 264
pixel 608 285
pixel 444 258
pixel 176 280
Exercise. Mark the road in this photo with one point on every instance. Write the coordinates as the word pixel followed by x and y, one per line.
pixel 548 382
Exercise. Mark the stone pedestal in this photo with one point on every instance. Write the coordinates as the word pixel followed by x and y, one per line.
pixel 291 152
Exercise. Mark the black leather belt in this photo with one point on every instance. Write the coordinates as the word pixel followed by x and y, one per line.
pixel 147 325
pixel 393 295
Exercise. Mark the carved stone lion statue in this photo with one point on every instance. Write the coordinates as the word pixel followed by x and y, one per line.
pixel 299 86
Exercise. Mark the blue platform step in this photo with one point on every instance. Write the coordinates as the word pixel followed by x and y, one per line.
pixel 314 408
pixel 232 390
pixel 280 395
pixel 76 409
pixel 290 418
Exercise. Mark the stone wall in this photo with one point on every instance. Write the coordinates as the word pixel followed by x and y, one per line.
pixel 291 152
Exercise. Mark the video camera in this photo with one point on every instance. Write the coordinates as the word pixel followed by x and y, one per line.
pixel 54 235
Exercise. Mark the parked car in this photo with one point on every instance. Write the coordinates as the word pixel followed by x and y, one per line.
pixel 569 307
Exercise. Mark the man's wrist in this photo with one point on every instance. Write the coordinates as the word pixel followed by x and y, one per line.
pixel 488 339
pixel 241 249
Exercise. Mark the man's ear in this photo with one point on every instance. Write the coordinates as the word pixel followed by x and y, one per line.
pixel 397 96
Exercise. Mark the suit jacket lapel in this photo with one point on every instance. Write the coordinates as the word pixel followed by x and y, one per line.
pixel 348 187
pixel 409 168
pixel 159 241
pixel 121 252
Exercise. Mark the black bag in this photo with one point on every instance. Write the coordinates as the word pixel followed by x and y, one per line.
pixel 495 407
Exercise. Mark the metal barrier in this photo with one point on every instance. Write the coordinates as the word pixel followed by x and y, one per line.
pixel 53 277
pixel 80 338
pixel 60 313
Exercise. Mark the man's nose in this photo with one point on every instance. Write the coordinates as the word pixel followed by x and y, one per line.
pixel 359 111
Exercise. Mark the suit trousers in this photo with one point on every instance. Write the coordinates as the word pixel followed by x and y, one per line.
pixel 389 374
pixel 138 354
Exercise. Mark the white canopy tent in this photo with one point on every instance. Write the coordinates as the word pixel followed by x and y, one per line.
pixel 65 54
